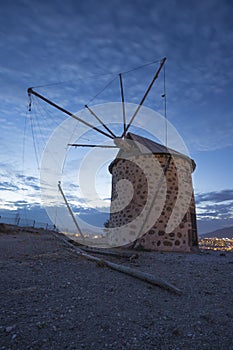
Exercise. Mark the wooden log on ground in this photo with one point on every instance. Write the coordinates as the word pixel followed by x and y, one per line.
pixel 110 253
pixel 146 277
pixel 102 251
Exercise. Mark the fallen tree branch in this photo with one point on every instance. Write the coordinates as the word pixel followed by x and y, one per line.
pixel 102 251
pixel 110 253
pixel 146 277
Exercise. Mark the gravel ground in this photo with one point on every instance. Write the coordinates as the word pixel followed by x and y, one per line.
pixel 53 299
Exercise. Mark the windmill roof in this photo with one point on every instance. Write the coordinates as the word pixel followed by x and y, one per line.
pixel 147 146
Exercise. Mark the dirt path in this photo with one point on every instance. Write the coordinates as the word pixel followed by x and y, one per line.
pixel 52 299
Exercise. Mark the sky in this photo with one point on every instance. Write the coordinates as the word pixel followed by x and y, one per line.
pixel 70 50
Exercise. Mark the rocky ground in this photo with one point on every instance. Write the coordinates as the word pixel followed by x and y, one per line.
pixel 53 299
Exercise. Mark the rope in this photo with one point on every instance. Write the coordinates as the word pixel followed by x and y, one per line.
pixel 34 143
pixel 93 76
pixel 23 154
pixel 100 92
pixel 139 67
pixel 165 104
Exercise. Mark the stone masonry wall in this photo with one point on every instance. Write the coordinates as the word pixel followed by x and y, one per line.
pixel 181 232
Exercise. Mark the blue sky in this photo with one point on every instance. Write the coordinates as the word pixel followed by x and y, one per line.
pixel 84 43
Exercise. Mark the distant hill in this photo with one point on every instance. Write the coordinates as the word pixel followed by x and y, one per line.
pixel 226 232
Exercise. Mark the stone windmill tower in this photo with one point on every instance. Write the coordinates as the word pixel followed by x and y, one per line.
pixel 183 233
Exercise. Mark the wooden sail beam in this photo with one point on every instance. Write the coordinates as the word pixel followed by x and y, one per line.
pixel 87 145
pixel 123 103
pixel 33 92
pixel 99 120
pixel 144 97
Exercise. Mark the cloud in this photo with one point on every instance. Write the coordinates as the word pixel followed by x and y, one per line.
pixel 209 224
pixel 19 190
pixel 214 210
pixel 29 181
pixel 109 37
pixel 8 186
pixel 215 196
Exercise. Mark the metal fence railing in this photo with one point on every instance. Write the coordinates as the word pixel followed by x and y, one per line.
pixel 23 222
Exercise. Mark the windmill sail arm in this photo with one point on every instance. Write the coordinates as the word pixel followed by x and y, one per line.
pixel 33 92
pixel 89 145
pixel 99 120
pixel 145 96
pixel 122 101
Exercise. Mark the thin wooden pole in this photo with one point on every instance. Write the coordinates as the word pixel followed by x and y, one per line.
pixel 69 209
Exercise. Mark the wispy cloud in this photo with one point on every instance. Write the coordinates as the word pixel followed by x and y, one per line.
pixel 215 196
pixel 8 186
pixel 108 37
pixel 214 210
pixel 20 190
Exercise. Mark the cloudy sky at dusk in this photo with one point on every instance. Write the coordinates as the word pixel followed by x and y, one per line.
pixel 72 49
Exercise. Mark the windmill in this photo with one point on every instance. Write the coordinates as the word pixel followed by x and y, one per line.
pixel 130 145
